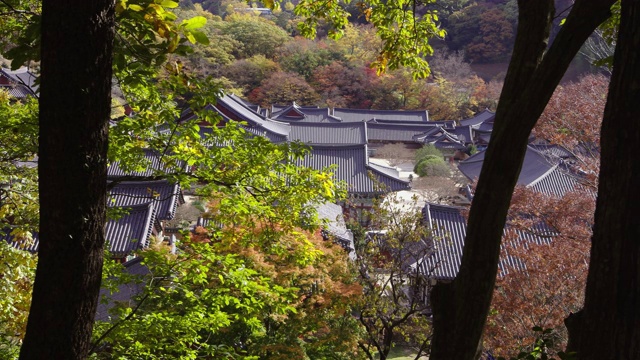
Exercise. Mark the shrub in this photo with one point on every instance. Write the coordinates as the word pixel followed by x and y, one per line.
pixel 427 150
pixel 432 165
pixel 471 149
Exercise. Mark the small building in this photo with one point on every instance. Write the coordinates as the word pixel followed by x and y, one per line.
pixel 19 83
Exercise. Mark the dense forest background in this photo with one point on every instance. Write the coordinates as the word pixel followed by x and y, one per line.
pixel 259 54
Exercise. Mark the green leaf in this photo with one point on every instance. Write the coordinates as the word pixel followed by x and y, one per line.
pixel 169 4
pixel 190 37
pixel 195 22
pixel 201 37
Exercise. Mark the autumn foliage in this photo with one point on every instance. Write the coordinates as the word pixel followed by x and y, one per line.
pixel 572 119
pixel 547 282
pixel 319 320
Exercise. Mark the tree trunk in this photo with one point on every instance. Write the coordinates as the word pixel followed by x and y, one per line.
pixel 77 45
pixel 608 327
pixel 461 307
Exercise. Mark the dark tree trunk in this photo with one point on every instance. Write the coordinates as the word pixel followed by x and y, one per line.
pixel 608 327
pixel 77 44
pixel 461 307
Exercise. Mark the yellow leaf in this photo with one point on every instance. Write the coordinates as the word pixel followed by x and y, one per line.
pixel 135 7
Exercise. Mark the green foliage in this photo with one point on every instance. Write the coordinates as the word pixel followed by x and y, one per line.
pixel 312 11
pixel 484 31
pixel 206 59
pixel 20 26
pixel 17 270
pixel 304 56
pixel 471 150
pixel 241 292
pixel 191 297
pixel 404 34
pixel 359 44
pixel 432 165
pixel 257 35
pixel 611 25
pixel 427 150
pixel 147 32
pixel 18 175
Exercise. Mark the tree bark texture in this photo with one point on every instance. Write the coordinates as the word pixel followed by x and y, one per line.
pixel 77 46
pixel 608 327
pixel 461 307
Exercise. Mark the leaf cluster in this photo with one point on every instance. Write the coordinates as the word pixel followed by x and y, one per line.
pixel 17 270
pixel 404 33
pixel 18 175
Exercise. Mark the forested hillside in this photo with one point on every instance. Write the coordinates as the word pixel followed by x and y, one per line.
pixel 261 55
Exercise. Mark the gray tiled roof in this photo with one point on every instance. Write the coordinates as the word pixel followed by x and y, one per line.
pixel 540 172
pixel 297 114
pixel 124 235
pixel 326 133
pixel 253 107
pixel 486 125
pixel 167 196
pixel 447 141
pixel 351 115
pixel 557 182
pixel 336 226
pixel 207 129
pixel 441 139
pixel 534 167
pixel 463 133
pixel 479 118
pixel 288 113
pixel 132 231
pixel 228 106
pixel 21 82
pixel 353 168
pixel 388 171
pixel 449 230
pixel 391 132
pixel 553 150
pixel 481 137
pixel 17 91
pixel 5 235
pixel 126 292
pixel 258 129
pixel 155 165
pixel 431 133
pixel 276 108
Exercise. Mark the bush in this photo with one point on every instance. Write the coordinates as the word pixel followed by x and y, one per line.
pixel 471 150
pixel 432 165
pixel 427 150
